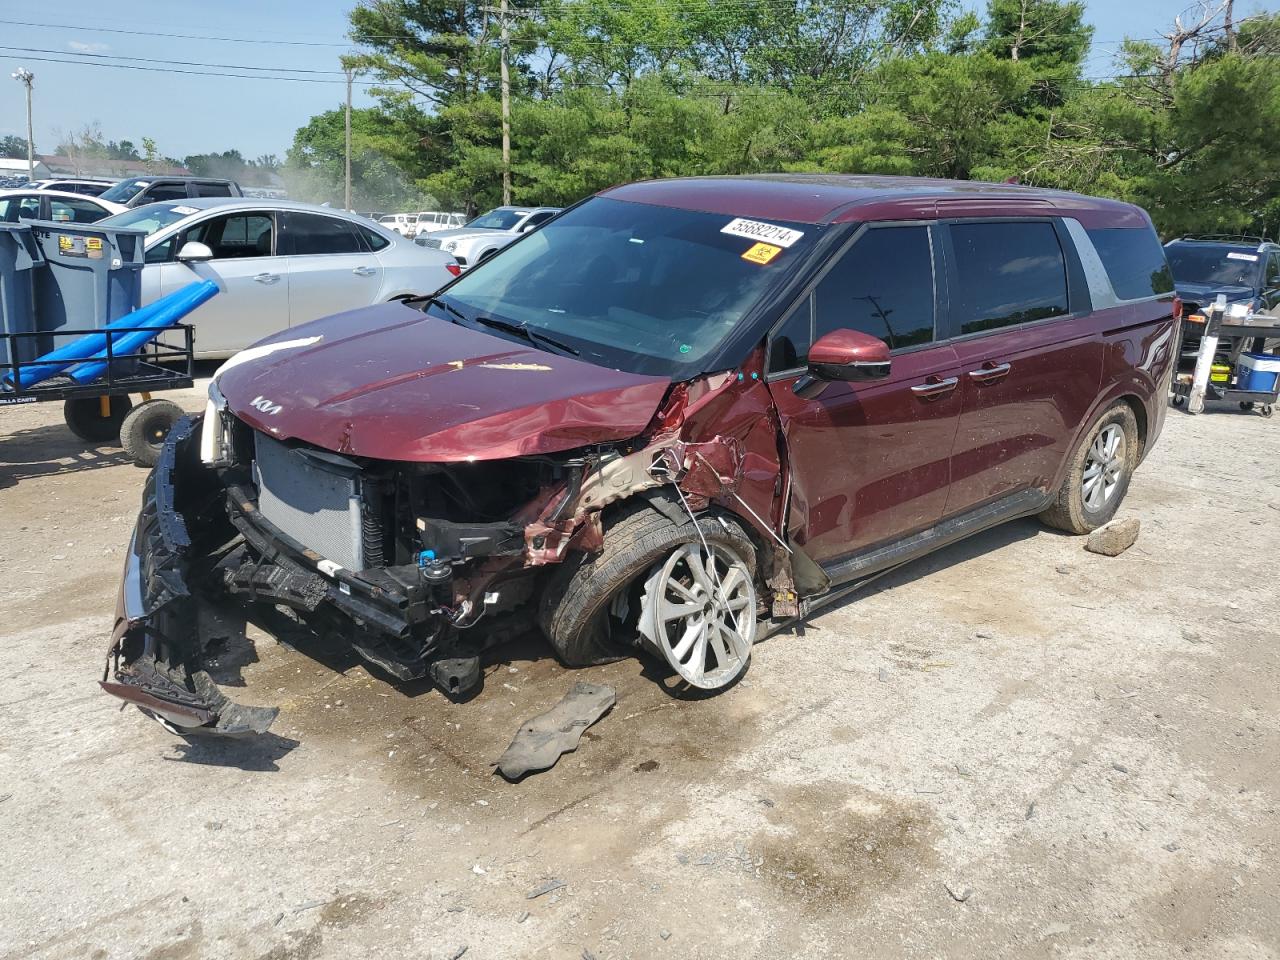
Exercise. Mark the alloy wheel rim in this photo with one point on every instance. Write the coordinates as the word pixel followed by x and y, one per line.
pixel 1104 467
pixel 700 613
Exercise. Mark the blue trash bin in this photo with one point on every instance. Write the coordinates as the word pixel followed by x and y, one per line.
pixel 19 261
pixel 92 275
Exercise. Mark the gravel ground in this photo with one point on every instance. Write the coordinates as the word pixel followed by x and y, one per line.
pixel 1014 748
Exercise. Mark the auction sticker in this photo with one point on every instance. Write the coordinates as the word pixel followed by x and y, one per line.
pixel 1251 257
pixel 762 253
pixel 767 232
pixel 93 246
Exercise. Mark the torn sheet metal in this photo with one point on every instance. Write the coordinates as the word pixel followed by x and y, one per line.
pixel 541 741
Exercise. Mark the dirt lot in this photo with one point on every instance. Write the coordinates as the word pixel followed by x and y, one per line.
pixel 1012 749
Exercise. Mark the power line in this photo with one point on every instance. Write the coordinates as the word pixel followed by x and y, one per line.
pixel 181 63
pixel 197 73
pixel 178 36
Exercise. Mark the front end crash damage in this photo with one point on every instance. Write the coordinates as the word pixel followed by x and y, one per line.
pixel 418 566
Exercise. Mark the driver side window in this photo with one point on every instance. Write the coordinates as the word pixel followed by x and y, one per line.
pixel 882 286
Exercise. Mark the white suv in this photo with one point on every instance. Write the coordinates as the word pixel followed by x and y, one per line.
pixel 486 235
pixel 429 221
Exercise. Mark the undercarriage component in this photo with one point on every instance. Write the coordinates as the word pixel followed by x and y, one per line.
pixel 541 741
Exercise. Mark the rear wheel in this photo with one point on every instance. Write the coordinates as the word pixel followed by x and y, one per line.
pixel 1099 472
pixel 85 417
pixel 143 432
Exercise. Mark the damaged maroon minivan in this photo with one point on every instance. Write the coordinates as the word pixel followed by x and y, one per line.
pixel 677 415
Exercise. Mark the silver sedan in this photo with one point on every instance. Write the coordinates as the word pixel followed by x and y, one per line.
pixel 278 264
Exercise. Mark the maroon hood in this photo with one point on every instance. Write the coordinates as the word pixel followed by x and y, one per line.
pixel 391 383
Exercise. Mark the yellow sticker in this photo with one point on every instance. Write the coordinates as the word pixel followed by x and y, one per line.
pixel 64 242
pixel 762 253
pixel 93 243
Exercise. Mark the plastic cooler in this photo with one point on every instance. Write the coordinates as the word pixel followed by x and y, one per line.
pixel 1258 372
pixel 19 261
pixel 92 275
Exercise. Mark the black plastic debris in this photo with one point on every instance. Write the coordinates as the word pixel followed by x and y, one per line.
pixel 541 741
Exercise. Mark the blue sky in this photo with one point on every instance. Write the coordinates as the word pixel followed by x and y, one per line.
pixel 197 114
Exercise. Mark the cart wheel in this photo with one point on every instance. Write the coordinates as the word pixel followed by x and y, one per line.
pixel 84 417
pixel 1246 404
pixel 144 430
pixel 1268 410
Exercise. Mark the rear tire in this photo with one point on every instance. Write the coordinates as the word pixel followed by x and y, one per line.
pixel 578 611
pixel 1098 474
pixel 143 432
pixel 84 417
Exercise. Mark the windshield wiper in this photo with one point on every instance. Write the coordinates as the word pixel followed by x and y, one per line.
pixel 532 336
pixel 446 305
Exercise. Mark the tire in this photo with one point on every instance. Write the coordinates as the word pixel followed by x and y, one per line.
pixel 1070 511
pixel 145 427
pixel 84 417
pixel 576 613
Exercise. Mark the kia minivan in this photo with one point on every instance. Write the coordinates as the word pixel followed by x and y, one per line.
pixel 681 413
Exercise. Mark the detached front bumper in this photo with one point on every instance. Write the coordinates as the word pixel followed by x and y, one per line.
pixel 155 658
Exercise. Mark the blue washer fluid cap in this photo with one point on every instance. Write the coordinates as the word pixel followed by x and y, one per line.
pixel 425 557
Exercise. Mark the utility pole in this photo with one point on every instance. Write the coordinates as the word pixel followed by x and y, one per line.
pixel 346 195
pixel 505 26
pixel 27 78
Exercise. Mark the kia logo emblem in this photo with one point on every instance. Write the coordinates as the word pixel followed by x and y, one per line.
pixel 264 405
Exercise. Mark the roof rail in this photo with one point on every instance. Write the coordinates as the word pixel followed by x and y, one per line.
pixel 1226 237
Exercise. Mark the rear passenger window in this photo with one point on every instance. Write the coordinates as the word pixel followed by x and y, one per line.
pixel 1134 261
pixel 166 191
pixel 311 234
pixel 882 286
pixel 1006 274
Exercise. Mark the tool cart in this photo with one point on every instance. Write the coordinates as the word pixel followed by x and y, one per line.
pixel 1233 363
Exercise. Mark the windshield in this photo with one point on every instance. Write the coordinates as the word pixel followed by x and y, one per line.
pixel 1214 265
pixel 498 219
pixel 152 217
pixel 125 190
pixel 636 287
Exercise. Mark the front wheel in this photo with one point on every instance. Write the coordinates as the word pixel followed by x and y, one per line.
pixel 1098 474
pixel 653 585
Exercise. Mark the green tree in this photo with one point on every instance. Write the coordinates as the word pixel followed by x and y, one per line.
pixel 13 147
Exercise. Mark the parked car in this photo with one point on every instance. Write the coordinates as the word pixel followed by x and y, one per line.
pixel 486 235
pixel 29 204
pixel 89 186
pixel 279 264
pixel 678 415
pixel 402 223
pixel 137 191
pixel 431 221
pixel 1246 270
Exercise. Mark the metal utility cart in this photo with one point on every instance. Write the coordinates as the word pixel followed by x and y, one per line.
pixel 1253 329
pixel 101 411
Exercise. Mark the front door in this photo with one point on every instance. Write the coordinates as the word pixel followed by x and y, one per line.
pixel 869 462
pixel 330 267
pixel 1030 355
pixel 253 281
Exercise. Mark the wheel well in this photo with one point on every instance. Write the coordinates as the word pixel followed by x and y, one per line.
pixel 1139 414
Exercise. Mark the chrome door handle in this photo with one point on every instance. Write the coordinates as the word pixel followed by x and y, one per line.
pixel 993 372
pixel 364 271
pixel 935 389
pixel 267 277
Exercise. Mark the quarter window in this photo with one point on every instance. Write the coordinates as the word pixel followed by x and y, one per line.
pixel 310 234
pixel 1134 261
pixel 1006 274
pixel 373 240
